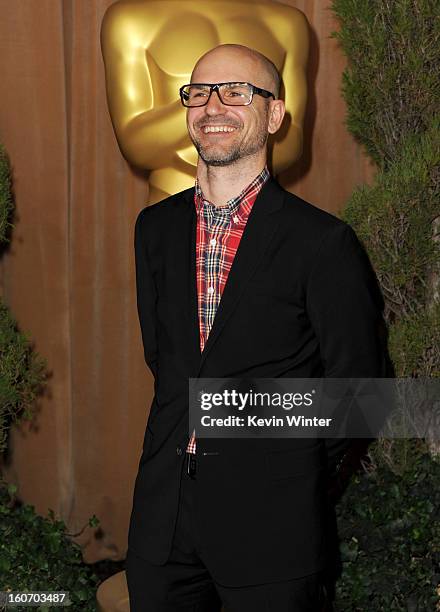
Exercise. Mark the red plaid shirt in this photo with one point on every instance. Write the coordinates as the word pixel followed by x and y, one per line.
pixel 219 230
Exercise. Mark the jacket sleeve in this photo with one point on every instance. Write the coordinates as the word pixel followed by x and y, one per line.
pixel 345 305
pixel 146 293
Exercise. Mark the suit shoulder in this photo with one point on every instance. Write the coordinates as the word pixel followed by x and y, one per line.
pixel 318 230
pixel 312 217
pixel 164 210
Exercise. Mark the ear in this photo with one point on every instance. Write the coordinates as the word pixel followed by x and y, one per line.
pixel 277 110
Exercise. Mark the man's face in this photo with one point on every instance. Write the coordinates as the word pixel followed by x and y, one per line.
pixel 245 128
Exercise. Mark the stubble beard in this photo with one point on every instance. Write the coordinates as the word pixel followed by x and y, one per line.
pixel 236 152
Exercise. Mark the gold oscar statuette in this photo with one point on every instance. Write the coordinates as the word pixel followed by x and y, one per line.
pixel 150 48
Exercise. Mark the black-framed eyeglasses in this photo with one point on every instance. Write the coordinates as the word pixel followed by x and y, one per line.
pixel 230 94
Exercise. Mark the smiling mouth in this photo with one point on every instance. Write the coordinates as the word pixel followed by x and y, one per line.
pixel 211 129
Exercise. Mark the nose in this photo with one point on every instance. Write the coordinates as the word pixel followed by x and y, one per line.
pixel 214 105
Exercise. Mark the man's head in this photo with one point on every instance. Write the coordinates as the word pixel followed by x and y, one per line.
pixel 246 128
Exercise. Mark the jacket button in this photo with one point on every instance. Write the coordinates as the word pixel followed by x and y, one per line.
pixel 179 450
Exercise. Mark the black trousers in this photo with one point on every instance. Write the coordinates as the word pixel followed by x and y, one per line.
pixel 184 584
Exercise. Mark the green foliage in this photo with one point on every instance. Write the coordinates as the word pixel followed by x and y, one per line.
pixel 392 91
pixel 36 554
pixel 388 518
pixel 394 214
pixel 390 534
pixel 6 205
pixel 391 85
pixel 394 220
pixel 414 343
pixel 22 371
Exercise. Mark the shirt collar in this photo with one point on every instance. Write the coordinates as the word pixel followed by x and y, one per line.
pixel 243 201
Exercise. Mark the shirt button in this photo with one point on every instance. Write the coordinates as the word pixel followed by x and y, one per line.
pixel 179 450
pixel 213 242
pixel 210 290
pixel 236 219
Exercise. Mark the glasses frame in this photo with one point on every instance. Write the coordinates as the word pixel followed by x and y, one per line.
pixel 215 87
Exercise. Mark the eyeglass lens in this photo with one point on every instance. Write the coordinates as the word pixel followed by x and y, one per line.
pixel 234 94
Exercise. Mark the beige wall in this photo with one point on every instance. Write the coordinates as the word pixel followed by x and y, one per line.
pixel 69 274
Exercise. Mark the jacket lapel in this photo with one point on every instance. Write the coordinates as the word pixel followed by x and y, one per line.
pixel 259 230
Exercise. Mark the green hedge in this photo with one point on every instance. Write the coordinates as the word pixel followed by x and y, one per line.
pixel 389 517
pixel 389 528
pixel 36 554
pixel 22 370
pixel 6 203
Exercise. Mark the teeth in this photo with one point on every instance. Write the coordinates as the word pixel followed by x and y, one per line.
pixel 217 128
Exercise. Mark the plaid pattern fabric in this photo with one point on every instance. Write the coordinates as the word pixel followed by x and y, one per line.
pixel 219 230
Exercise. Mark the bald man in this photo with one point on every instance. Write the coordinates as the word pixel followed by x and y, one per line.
pixel 238 278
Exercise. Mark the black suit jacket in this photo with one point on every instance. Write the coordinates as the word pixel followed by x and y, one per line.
pixel 301 300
